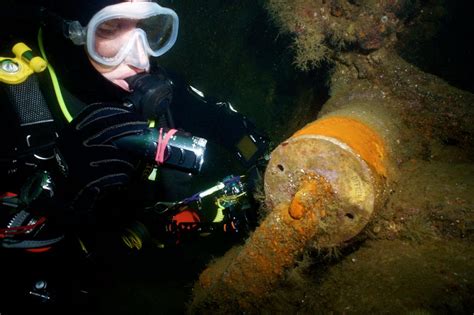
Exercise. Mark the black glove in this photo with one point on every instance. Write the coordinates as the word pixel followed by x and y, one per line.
pixel 91 165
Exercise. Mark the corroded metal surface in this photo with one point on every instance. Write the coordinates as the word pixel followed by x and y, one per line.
pixel 274 246
pixel 363 140
pixel 349 176
pixel 394 117
pixel 321 186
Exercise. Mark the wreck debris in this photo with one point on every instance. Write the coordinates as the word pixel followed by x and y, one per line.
pixel 344 171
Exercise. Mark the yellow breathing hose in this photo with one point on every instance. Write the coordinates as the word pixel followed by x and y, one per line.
pixel 54 79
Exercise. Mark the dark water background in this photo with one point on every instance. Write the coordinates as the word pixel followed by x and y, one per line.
pixel 449 52
pixel 231 50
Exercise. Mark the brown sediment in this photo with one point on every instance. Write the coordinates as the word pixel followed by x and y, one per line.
pixel 323 29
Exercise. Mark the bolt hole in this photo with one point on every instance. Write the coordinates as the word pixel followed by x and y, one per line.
pixel 350 216
pixel 280 167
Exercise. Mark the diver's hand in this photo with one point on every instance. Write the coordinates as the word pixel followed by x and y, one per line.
pixel 91 165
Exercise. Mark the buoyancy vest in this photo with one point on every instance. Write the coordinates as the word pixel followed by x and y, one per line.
pixel 29 116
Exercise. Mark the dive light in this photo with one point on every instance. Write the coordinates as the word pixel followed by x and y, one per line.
pixel 182 150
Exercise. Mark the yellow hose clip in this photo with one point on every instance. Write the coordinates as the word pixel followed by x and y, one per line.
pixel 16 70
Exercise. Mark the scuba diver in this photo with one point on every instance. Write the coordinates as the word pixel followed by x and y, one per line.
pixel 101 141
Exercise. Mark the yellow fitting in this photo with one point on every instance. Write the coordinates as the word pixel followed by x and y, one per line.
pixel 38 64
pixel 20 48
pixel 16 70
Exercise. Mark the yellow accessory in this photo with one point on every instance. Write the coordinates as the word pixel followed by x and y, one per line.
pixel 83 246
pixel 16 70
pixel 132 240
pixel 223 202
pixel 54 80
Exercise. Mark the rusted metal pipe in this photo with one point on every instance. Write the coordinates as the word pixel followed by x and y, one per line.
pixel 350 155
pixel 276 244
pixel 322 185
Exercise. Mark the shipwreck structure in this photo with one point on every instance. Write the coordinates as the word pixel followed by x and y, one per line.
pixel 384 174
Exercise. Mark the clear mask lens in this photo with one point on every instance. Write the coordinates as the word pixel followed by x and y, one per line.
pixel 158 30
pixel 113 35
pixel 113 32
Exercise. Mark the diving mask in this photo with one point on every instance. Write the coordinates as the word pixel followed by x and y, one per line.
pixel 113 32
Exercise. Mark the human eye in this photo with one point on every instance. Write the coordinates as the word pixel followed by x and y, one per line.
pixel 108 29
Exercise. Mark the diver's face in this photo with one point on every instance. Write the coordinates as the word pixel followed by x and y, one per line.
pixel 110 37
